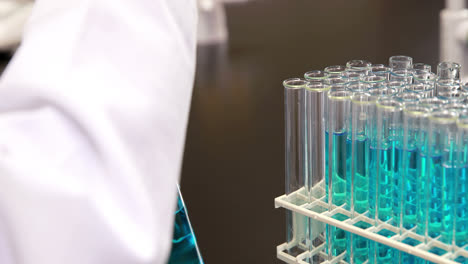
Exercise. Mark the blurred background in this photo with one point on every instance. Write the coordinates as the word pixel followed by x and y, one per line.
pixel 234 157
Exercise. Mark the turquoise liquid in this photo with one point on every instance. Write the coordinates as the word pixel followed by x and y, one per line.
pixel 433 173
pixel 360 245
pixel 449 175
pixel 361 175
pixel 381 254
pixel 184 245
pixel 407 164
pixel 461 209
pixel 381 183
pixel 337 238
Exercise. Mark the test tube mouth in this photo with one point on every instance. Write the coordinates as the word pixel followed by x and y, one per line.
pixel 451 95
pixel 424 75
pixel 402 73
pixel 358 65
pixel 335 69
pixel 351 75
pixel 422 66
pixel 373 79
pixel 419 87
pixel 416 111
pixel 315 75
pixel 401 62
pixel 339 95
pixel 407 97
pixel 448 65
pixel 457 107
pixel 357 86
pixel 294 83
pixel 398 85
pixel 432 103
pixel 389 104
pixel 317 87
pixel 443 117
pixel 383 92
pixel 363 98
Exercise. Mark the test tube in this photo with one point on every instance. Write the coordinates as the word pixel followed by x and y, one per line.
pixel 400 62
pixel 357 87
pixel 374 81
pixel 407 157
pixel 352 76
pixel 384 132
pixel 294 107
pixel 315 76
pixel 403 75
pixel 452 96
pixel 432 103
pixel 380 70
pixel 315 101
pixel 335 70
pixel 461 192
pixel 423 90
pixel 397 85
pixel 382 147
pixel 422 66
pixel 422 76
pixel 446 85
pixel 339 149
pixel 363 107
pixel 408 98
pixel 440 192
pixel 383 92
pixel 448 70
pixel 361 66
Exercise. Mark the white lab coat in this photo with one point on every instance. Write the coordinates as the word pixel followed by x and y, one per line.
pixel 93 114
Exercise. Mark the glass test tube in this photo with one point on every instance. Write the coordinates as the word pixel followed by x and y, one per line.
pixel 380 70
pixel 397 85
pixel 361 66
pixel 461 191
pixel 423 90
pixel 316 103
pixel 422 76
pixel 446 85
pixel 383 92
pixel 448 70
pixel 440 174
pixel 352 76
pixel 408 98
pixel 422 66
pixel 294 109
pixel 362 109
pixel 382 146
pixel 374 81
pixel 384 135
pixel 403 75
pixel 315 76
pixel 335 70
pixel 407 157
pixel 400 62
pixel 338 161
pixel 432 103
pixel 357 87
pixel 452 96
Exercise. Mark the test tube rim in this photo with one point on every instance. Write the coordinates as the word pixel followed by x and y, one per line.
pixel 325 75
pixel 444 65
pixel 421 112
pixel 339 98
pixel 367 64
pixel 395 107
pixel 382 79
pixel 407 72
pixel 416 96
pixel 328 68
pixel 286 83
pixel 449 118
pixel 401 58
pixel 360 102
pixel 395 91
pixel 323 89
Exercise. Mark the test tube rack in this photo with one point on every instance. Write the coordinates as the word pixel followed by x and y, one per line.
pixel 317 209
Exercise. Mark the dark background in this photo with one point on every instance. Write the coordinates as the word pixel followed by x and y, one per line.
pixel 234 157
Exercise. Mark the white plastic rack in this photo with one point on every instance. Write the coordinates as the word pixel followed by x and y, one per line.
pixel 318 209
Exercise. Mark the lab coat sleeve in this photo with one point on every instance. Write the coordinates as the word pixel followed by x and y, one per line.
pixel 93 114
